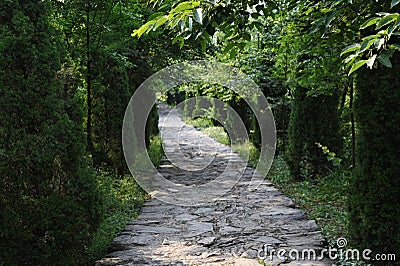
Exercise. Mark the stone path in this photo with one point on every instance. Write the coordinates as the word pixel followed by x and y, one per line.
pixel 241 228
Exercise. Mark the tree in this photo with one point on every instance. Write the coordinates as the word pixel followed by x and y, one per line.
pixel 48 198
pixel 299 66
pixel 374 214
pixel 376 186
pixel 374 63
pixel 113 66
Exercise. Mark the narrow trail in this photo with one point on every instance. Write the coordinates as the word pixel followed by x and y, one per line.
pixel 240 228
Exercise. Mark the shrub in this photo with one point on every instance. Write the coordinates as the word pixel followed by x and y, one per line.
pixel 374 214
pixel 314 119
pixel 49 204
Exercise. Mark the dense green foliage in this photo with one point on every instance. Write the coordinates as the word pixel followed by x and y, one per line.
pixel 68 69
pixel 303 41
pixel 98 36
pixel 122 201
pixel 374 215
pixel 313 120
pixel 49 199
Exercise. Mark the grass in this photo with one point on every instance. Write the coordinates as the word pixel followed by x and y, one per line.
pixel 207 126
pixel 245 150
pixel 324 200
pixel 155 150
pixel 122 198
pixel 218 134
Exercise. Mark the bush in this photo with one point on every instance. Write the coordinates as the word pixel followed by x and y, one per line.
pixel 374 214
pixel 314 119
pixel 122 201
pixel 49 204
pixel 123 198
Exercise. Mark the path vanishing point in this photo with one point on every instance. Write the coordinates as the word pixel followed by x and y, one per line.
pixel 241 228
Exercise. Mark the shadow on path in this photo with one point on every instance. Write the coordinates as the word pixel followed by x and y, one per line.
pixel 241 228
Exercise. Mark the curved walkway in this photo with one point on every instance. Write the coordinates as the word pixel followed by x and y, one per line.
pixel 241 228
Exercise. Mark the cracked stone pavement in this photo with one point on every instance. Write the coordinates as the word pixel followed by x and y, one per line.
pixel 242 227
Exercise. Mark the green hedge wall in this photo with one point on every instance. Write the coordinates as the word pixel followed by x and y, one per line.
pixel 373 200
pixel 313 119
pixel 49 204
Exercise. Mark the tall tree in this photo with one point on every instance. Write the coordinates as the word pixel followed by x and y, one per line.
pixel 374 214
pixel 113 65
pixel 48 199
pixel 376 186
pixel 300 66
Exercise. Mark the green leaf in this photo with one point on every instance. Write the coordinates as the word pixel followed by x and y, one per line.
pixel 396 46
pixel 160 22
pixel 371 61
pixel 350 48
pixel 379 42
pixel 144 28
pixel 175 40
pixel 366 45
pixel 190 23
pixel 394 2
pixel 185 6
pixel 383 14
pixel 329 19
pixel 198 15
pixel 155 15
pixel 386 20
pixel 350 59
pixel 203 42
pixel 182 25
pixel 317 24
pixel 308 12
pixel 384 59
pixel 394 26
pixel 258 25
pixel 369 37
pixel 187 37
pixel 234 52
pixel 369 22
pixel 357 65
pixel 228 48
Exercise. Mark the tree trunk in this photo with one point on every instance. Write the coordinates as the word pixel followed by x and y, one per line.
pixel 89 85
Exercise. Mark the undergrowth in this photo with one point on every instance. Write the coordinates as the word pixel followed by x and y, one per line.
pixel 245 150
pixel 324 199
pixel 122 198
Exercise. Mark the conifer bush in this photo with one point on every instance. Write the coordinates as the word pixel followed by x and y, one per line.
pixel 375 192
pixel 313 119
pixel 49 203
